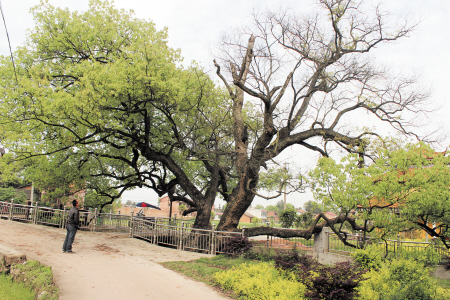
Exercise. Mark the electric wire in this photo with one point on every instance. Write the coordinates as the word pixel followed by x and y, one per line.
pixel 9 43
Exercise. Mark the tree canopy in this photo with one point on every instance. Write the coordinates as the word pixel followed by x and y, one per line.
pixel 405 188
pixel 101 92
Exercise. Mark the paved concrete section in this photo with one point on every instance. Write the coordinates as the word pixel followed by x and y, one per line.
pixel 11 256
pixel 106 265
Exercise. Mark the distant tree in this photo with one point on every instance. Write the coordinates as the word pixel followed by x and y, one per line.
pixel 10 193
pixel 288 217
pixel 304 220
pixel 280 206
pixel 312 207
pixel 259 206
pixel 272 208
pixel 129 202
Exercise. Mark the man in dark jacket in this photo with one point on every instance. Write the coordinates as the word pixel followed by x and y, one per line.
pixel 73 223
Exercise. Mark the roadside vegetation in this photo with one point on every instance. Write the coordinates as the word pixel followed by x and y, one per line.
pixel 10 290
pixel 28 281
pixel 262 273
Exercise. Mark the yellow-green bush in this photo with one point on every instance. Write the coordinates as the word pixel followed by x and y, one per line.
pixel 369 258
pixel 260 282
pixel 401 280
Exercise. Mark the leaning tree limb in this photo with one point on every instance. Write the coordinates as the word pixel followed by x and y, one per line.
pixel 316 227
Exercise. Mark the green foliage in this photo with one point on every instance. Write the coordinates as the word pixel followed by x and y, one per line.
pixel 280 206
pixel 256 221
pixel 37 277
pixel 412 179
pixel 9 290
pixel 312 207
pixel 259 206
pixel 260 281
pixel 369 258
pixel 237 246
pixel 288 217
pixel 427 256
pixel 95 200
pixel 401 279
pixel 6 194
pixel 304 220
pixel 273 208
pixel 99 93
pixel 203 269
pixel 213 215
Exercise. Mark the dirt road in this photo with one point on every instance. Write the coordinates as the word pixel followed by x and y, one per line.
pixel 106 265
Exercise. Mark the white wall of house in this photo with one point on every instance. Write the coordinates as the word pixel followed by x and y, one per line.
pixel 259 213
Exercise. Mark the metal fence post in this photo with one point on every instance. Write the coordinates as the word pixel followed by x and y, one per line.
pixel 63 223
pixel 11 210
pixel 213 237
pixel 95 218
pixel 35 213
pixel 131 224
pixel 180 246
pixel 154 232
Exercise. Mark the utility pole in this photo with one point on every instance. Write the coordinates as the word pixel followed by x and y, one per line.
pixel 285 189
pixel 32 193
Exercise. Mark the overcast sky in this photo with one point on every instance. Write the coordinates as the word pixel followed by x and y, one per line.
pixel 195 27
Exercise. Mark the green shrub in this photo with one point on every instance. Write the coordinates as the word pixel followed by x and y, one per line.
pixel 369 258
pixel 260 282
pixel 427 256
pixel 401 280
pixel 237 246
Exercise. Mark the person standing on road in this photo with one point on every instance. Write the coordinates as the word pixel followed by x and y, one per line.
pixel 73 223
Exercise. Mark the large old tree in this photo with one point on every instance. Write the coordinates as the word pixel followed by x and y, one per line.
pixel 101 99
pixel 101 92
pixel 314 85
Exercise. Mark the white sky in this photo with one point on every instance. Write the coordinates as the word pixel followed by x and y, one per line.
pixel 195 26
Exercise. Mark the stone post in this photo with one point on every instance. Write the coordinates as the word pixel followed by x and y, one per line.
pixel 321 241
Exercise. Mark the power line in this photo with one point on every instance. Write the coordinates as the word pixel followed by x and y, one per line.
pixel 9 43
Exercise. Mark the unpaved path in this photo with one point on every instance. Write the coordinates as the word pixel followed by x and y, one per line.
pixel 106 265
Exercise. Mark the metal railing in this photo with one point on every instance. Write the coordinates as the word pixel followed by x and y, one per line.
pixel 283 243
pixel 171 232
pixel 391 246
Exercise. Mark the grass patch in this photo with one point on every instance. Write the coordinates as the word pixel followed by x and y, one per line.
pixel 37 277
pixel 203 269
pixel 10 290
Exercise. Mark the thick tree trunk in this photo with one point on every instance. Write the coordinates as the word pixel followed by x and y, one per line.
pixel 203 218
pixel 240 200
